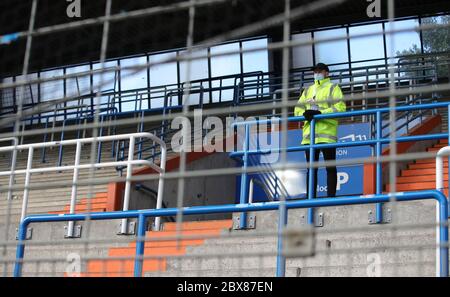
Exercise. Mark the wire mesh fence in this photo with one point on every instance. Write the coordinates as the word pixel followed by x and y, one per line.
pixel 186 155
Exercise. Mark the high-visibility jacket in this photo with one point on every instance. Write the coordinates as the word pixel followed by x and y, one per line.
pixel 326 97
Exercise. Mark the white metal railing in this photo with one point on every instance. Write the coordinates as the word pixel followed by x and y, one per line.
pixel 77 166
pixel 443 152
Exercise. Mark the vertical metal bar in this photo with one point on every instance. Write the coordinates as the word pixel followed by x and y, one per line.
pixel 77 122
pixel 52 137
pixel 140 246
pixel 13 168
pixel 141 129
pixel 23 132
pixel 26 191
pixel 160 194
pixel 100 144
pixel 126 198
pixel 244 177
pixel 439 187
pixel 61 146
pixel 20 252
pixel 282 209
pixel 113 145
pixel 276 187
pixel 73 196
pixel 250 191
pixel 443 244
pixel 379 173
pixel 311 190
pixel 153 155
pixel 9 202
pixel 45 140
pixel 448 140
pixel 281 259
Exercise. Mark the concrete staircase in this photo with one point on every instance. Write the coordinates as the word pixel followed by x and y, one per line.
pixel 159 248
pixel 421 174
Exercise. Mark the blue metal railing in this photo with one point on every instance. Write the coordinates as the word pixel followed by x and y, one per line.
pixel 143 215
pixel 263 83
pixel 377 142
pixel 86 118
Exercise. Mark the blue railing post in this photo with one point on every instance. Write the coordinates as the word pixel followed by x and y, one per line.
pixel 311 190
pixel 379 173
pixel 244 176
pixel 443 237
pixel 282 222
pixel 140 246
pixel 20 252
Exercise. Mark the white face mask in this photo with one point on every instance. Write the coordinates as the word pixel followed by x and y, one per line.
pixel 318 76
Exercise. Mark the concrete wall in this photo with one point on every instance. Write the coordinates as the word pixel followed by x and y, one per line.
pixel 210 190
pixel 55 252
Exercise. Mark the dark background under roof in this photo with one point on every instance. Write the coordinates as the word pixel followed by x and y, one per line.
pixel 162 31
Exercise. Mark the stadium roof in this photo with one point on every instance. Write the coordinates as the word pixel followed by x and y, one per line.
pixel 163 31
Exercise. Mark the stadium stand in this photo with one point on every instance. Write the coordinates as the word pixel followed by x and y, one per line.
pixel 200 213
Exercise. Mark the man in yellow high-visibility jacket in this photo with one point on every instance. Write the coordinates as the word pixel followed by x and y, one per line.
pixel 321 98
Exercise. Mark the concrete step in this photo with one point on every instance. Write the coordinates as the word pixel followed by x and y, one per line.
pixel 433 161
pixel 426 166
pixel 413 186
pixel 419 172
pixel 62 203
pixel 386 270
pixel 418 179
pixel 20 179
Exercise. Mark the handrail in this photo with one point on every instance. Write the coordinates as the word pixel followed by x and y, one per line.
pixel 297 74
pixel 142 216
pixel 77 166
pixel 377 142
pixel 444 152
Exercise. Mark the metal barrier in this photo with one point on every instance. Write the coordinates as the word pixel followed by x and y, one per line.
pixel 377 142
pixel 142 216
pixel 77 166
pixel 264 83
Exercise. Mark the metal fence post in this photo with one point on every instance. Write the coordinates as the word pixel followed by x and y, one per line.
pixel 126 198
pixel 73 197
pixel 311 190
pixel 26 191
pixel 441 236
pixel 60 156
pixel 160 194
pixel 244 176
pixel 379 173
pixel 140 246
pixel 100 144
pixel 20 252
pixel 282 222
